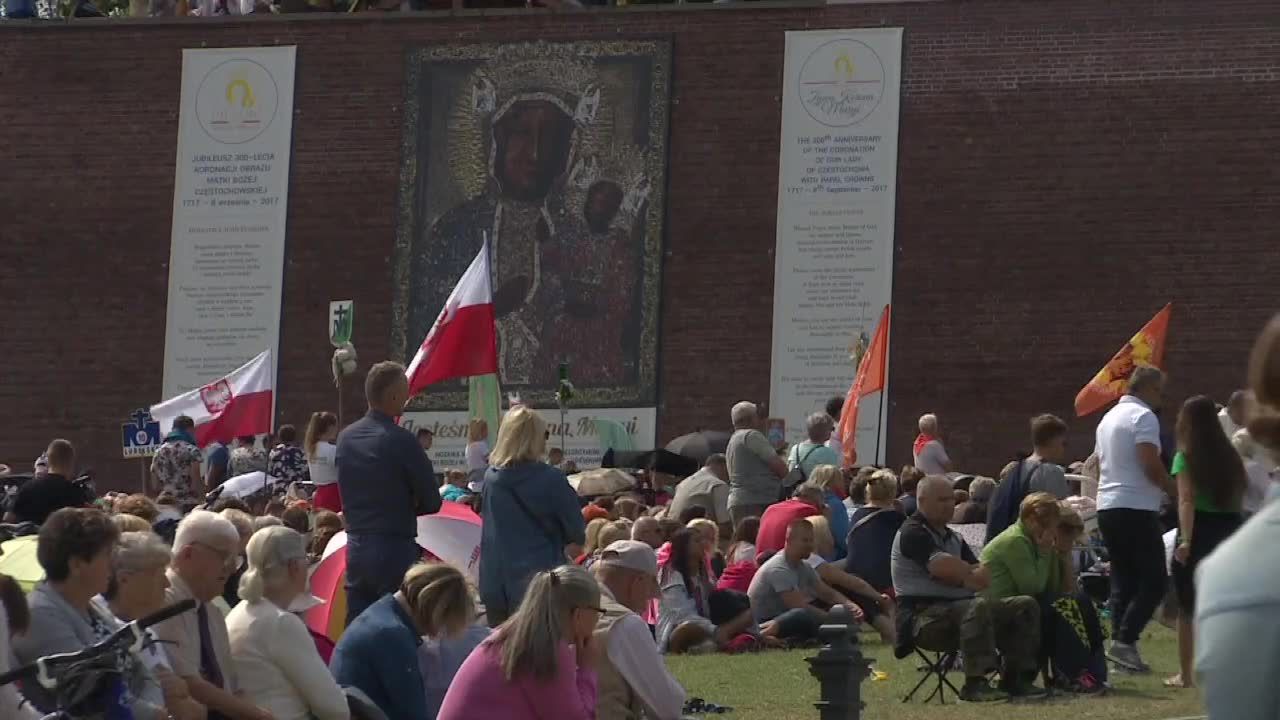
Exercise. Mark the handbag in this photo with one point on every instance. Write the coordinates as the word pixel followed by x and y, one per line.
pixel 795 475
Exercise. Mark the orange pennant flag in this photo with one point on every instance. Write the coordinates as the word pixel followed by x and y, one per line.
pixel 1145 349
pixel 869 378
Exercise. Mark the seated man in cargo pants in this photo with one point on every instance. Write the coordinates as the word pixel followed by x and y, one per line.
pixel 936 578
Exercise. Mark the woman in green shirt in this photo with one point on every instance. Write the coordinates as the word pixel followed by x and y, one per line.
pixel 1033 557
pixel 1211 484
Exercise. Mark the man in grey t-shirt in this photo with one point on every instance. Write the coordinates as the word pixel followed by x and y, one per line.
pixel 785 587
pixel 755 470
pixel 1049 441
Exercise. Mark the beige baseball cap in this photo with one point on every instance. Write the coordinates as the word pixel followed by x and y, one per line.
pixel 632 555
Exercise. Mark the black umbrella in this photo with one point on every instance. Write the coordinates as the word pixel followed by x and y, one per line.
pixel 700 445
pixel 661 461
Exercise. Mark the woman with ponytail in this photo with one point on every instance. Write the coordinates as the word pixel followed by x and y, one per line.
pixel 540 663
pixel 275 660
pixel 322 455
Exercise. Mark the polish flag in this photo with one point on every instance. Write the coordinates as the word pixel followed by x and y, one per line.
pixel 236 405
pixel 464 340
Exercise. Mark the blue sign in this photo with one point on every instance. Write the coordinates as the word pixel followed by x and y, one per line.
pixel 140 438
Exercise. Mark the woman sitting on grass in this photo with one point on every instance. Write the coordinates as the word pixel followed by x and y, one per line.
pixel 1032 557
pixel 691 613
pixel 540 663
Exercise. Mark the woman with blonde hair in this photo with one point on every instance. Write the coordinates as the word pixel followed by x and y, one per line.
pixel 872 529
pixel 322 459
pixel 1032 557
pixel 541 662
pixel 592 544
pixel 531 516
pixel 710 533
pixel 831 479
pixel 275 658
pixel 378 653
pixel 477 453
pixel 130 523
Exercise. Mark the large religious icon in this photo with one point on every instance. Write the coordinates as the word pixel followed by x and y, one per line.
pixel 557 153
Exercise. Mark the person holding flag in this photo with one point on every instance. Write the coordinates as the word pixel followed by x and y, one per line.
pixel 1132 482
pixel 385 479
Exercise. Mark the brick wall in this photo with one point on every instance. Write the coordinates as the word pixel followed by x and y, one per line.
pixel 1065 169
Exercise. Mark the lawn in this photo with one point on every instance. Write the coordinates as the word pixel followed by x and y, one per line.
pixel 778 686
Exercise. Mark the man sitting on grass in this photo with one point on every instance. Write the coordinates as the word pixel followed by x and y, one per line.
pixel 936 578
pixel 785 589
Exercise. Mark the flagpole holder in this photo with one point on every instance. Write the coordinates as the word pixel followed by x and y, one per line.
pixel 343 364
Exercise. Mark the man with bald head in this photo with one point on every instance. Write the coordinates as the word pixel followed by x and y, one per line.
pixel 647 530
pixel 928 452
pixel 936 578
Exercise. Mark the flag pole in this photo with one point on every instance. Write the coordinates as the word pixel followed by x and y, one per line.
pixel 339 384
pixel 879 417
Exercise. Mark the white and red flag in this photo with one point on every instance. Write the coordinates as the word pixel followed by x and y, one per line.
pixel 464 340
pixel 239 404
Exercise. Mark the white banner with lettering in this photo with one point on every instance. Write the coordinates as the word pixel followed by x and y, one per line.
pixel 837 173
pixel 231 186
pixel 581 439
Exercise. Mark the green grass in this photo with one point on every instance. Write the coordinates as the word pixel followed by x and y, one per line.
pixel 778 686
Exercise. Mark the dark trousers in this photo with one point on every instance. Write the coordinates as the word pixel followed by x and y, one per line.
pixel 983 630
pixel 1138 580
pixel 376 565
pixel 738 513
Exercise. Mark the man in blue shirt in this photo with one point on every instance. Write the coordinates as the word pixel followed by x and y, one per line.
pixel 386 482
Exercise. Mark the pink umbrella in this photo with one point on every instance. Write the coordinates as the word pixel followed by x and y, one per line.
pixel 451 535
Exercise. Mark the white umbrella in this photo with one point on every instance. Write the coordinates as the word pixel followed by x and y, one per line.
pixel 453 535
pixel 242 486
pixel 601 481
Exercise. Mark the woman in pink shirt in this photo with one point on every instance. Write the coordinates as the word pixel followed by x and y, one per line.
pixel 540 663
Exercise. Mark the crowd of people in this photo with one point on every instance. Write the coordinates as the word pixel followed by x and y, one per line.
pixel 578 599
pixel 50 9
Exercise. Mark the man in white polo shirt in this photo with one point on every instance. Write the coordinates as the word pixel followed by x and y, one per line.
pixel 1132 484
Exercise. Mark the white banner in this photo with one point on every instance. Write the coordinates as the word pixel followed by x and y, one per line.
pixel 231 186
pixel 837 173
pixel 581 442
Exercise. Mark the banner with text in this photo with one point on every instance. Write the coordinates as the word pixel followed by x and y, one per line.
pixel 226 257
pixel 581 436
pixel 837 182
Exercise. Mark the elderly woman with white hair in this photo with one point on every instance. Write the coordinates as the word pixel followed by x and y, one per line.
pixel 274 655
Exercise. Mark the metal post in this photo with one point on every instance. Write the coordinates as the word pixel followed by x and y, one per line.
pixel 340 382
pixel 564 428
pixel 840 669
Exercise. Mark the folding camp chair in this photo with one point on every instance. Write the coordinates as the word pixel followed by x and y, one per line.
pixel 935 668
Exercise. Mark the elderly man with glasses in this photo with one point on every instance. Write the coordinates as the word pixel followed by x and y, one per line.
pixel 206 551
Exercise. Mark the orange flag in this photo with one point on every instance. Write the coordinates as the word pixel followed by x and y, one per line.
pixel 869 378
pixel 1145 349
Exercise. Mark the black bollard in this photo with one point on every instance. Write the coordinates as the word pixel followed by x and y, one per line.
pixel 840 669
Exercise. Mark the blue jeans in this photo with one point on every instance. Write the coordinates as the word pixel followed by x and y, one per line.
pixel 798 624
pixel 376 565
